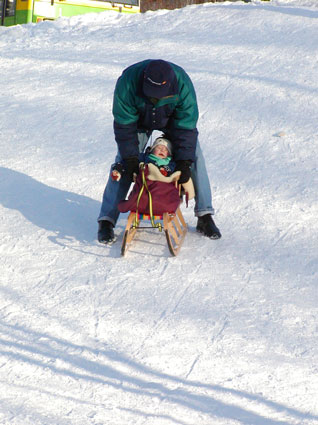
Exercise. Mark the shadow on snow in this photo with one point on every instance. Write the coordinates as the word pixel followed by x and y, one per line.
pixel 66 214
pixel 79 363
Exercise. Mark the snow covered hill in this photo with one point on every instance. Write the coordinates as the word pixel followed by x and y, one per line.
pixel 224 334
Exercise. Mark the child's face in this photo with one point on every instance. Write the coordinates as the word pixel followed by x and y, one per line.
pixel 161 151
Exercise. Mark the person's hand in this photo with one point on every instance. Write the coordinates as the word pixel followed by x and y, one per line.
pixel 116 171
pixel 131 167
pixel 184 167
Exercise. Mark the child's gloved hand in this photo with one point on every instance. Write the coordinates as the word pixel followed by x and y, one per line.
pixel 116 171
pixel 115 175
pixel 184 167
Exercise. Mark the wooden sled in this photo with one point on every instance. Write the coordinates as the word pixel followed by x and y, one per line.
pixel 174 226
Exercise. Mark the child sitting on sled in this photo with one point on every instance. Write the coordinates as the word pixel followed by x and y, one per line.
pixel 160 154
pixel 161 181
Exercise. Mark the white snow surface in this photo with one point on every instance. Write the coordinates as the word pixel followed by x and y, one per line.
pixel 226 333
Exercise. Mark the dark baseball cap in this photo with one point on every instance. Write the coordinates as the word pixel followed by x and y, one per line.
pixel 158 78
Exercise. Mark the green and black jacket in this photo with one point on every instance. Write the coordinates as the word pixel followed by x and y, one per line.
pixel 176 115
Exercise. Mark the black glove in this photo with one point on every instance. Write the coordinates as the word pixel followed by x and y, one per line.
pixel 184 167
pixel 131 166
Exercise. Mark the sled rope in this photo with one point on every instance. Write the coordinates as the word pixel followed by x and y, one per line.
pixel 145 186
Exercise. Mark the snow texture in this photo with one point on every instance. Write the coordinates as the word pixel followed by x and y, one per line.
pixel 227 332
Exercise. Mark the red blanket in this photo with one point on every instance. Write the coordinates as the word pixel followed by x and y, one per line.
pixel 165 197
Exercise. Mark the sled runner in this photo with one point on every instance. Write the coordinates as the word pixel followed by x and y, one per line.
pixel 156 198
pixel 173 225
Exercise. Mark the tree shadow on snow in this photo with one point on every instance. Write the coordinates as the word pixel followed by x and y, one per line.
pixel 67 214
pixel 124 375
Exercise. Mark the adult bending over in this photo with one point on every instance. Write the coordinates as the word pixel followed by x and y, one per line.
pixel 156 95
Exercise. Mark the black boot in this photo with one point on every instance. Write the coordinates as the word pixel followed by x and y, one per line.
pixel 105 232
pixel 207 226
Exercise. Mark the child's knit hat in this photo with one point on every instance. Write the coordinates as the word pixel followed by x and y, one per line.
pixel 162 141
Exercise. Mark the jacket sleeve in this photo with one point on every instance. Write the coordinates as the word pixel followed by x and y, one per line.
pixel 184 131
pixel 126 139
pixel 125 119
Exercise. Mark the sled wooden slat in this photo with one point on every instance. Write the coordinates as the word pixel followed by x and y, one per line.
pixel 177 224
pixel 180 216
pixel 173 240
pixel 174 226
pixel 129 233
pixel 172 230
